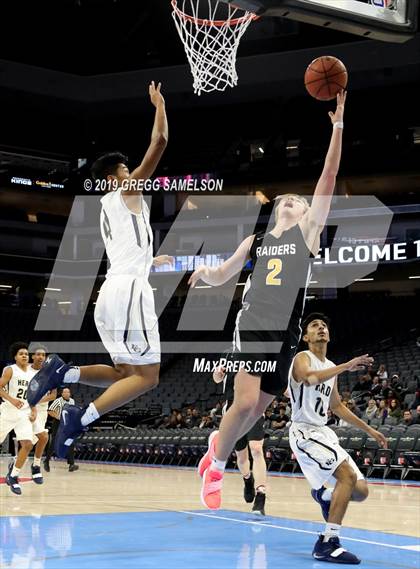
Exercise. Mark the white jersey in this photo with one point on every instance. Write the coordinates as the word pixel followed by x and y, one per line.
pixel 311 403
pixel 18 385
pixel 127 236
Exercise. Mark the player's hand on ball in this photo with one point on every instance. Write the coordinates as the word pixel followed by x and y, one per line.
pixel 17 403
pixel 339 112
pixel 163 260
pixel 198 274
pixel 155 95
pixel 360 362
pixel 380 438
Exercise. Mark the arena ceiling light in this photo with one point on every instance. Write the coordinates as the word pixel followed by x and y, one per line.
pixel 6 286
pixel 363 280
pixel 414 277
pixel 53 289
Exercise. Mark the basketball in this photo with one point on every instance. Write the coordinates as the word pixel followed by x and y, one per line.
pixel 325 77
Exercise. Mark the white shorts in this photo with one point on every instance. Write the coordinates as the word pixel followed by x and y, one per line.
pixel 13 419
pixel 39 424
pixel 318 452
pixel 126 320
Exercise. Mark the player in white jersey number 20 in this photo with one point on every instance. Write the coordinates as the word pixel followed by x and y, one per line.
pixel 313 390
pixel 15 413
pixel 125 315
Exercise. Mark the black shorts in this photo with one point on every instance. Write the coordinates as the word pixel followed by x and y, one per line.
pixel 255 434
pixel 272 367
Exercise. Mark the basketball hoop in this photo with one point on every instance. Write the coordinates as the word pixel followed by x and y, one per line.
pixel 211 31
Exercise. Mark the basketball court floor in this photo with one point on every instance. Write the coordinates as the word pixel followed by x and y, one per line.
pixel 106 516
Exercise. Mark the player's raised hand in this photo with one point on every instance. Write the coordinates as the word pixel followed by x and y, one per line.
pixel 155 95
pixel 360 362
pixel 379 437
pixel 339 112
pixel 163 260
pixel 198 274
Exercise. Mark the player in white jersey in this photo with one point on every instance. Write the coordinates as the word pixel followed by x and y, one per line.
pixel 313 390
pixel 15 413
pixel 41 433
pixel 125 314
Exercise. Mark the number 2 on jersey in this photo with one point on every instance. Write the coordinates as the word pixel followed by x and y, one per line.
pixel 274 266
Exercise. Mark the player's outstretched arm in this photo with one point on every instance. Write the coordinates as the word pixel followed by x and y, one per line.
pixel 302 371
pixel 159 138
pixel 320 207
pixel 216 276
pixel 344 413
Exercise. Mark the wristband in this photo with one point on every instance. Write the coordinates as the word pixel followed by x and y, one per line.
pixel 338 124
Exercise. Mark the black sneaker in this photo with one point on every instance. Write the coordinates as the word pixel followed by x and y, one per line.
pixel 46 465
pixel 73 467
pixel 259 504
pixel 249 489
pixel 13 482
pixel 332 552
pixel 37 474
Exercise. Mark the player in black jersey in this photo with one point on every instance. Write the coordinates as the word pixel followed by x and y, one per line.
pixel 268 325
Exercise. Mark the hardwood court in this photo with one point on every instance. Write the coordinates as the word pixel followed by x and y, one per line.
pixel 113 488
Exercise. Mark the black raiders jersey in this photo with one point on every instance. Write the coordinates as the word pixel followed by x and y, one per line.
pixel 281 270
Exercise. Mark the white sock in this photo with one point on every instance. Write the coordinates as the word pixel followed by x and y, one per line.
pixel 15 471
pixel 248 476
pixel 327 494
pixel 331 530
pixel 72 375
pixel 37 461
pixel 261 489
pixel 90 415
pixel 218 464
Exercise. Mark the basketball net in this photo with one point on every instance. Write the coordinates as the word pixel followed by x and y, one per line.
pixel 211 41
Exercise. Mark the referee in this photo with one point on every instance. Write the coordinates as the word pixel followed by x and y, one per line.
pixel 54 411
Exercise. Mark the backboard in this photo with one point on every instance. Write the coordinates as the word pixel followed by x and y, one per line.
pixel 386 20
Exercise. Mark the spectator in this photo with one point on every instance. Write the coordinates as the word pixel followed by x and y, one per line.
pixel 382 373
pixel 376 387
pixel 397 386
pixel 370 411
pixel 385 389
pixel 281 420
pixel 332 419
pixel 395 410
pixel 408 418
pixel 416 402
pixel 363 384
pixel 206 422
pixel 216 409
pixel 351 405
pixel 193 418
pixel 382 411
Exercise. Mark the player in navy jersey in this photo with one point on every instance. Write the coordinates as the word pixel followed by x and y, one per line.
pixel 268 325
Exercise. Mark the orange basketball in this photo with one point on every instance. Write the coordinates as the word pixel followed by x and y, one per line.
pixel 325 77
